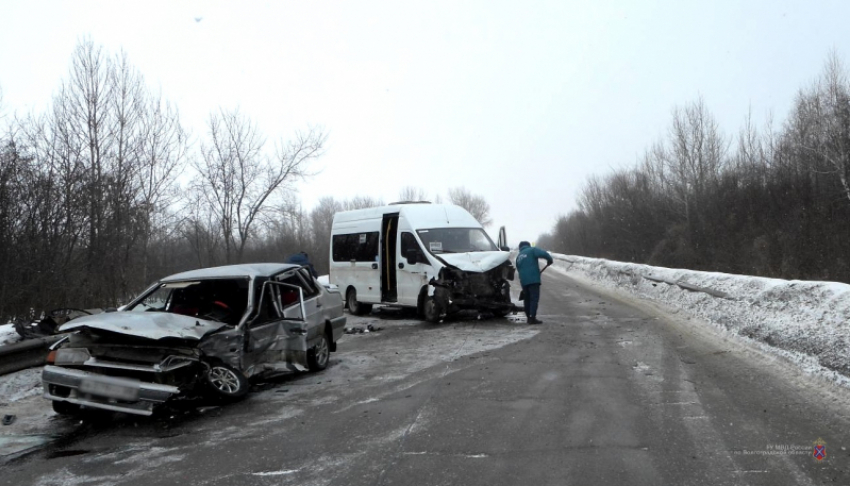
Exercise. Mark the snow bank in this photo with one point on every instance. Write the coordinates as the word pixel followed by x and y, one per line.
pixel 8 335
pixel 805 321
pixel 20 385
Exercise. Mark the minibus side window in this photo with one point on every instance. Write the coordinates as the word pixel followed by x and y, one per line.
pixel 361 247
pixel 408 242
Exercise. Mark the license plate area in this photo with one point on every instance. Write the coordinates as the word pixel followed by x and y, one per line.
pixel 108 387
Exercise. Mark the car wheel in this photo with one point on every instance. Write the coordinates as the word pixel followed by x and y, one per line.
pixel 66 408
pixel 501 312
pixel 226 382
pixel 430 310
pixel 357 308
pixel 319 355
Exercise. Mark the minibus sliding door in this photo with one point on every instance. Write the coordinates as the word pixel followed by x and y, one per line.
pixel 389 236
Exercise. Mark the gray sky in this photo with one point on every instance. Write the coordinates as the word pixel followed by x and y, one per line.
pixel 517 101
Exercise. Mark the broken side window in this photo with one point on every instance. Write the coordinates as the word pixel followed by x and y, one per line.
pixel 266 305
pixel 311 288
pixel 298 279
pixel 156 301
pixel 224 300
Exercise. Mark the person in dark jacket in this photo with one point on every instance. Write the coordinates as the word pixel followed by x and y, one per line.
pixel 302 259
pixel 529 277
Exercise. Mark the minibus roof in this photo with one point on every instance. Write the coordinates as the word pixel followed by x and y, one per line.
pixel 419 216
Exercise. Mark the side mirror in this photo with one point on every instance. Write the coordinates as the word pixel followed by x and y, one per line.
pixel 503 239
pixel 411 255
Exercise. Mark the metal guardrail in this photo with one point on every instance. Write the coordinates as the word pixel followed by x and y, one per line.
pixel 689 287
pixel 25 354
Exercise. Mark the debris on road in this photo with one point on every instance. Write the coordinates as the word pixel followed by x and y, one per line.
pixel 49 322
pixel 361 330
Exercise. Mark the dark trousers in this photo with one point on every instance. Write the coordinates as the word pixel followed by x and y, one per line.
pixel 532 297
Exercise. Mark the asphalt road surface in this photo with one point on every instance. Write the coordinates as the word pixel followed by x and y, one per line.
pixel 604 392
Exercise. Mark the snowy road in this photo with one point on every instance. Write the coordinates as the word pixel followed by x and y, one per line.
pixel 605 392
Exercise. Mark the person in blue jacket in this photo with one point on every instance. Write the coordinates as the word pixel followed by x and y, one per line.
pixel 302 259
pixel 529 277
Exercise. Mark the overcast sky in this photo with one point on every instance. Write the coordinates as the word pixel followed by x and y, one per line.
pixel 517 101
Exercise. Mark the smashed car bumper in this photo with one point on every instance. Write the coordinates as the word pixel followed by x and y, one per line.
pixel 104 392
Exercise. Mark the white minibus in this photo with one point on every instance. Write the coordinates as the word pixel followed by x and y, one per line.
pixel 434 257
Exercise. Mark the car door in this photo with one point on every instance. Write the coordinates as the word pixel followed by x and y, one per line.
pixel 412 269
pixel 310 312
pixel 277 334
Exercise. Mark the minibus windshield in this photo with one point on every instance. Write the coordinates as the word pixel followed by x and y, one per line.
pixel 456 240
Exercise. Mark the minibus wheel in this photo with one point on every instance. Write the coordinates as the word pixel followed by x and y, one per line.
pixel 355 307
pixel 430 310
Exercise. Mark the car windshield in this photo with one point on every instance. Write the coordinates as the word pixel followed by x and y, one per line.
pixel 223 300
pixel 456 240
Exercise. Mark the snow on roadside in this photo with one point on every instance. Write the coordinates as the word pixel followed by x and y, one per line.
pixel 805 321
pixel 8 335
pixel 20 385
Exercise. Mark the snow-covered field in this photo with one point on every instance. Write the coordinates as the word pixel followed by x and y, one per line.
pixel 805 321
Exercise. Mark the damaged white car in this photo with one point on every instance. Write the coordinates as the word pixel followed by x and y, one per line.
pixel 200 332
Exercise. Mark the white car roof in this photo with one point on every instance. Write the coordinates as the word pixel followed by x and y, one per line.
pixel 250 270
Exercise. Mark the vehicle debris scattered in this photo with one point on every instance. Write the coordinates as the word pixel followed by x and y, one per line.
pixel 361 330
pixel 49 322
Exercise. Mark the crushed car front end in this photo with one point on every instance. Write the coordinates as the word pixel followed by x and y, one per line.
pixel 482 285
pixel 95 390
pixel 100 369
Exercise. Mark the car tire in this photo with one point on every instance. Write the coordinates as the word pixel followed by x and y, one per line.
pixel 226 382
pixel 66 408
pixel 430 310
pixel 500 312
pixel 355 307
pixel 319 355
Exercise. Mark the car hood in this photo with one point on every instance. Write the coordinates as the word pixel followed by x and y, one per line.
pixel 476 261
pixel 150 325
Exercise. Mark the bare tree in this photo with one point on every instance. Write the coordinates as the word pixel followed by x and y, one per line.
pixel 237 176
pixel 321 219
pixel 162 152
pixel 696 154
pixel 2 106
pixel 827 109
pixel 412 193
pixel 361 202
pixel 476 205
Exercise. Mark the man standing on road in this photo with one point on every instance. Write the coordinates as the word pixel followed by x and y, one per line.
pixel 529 277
